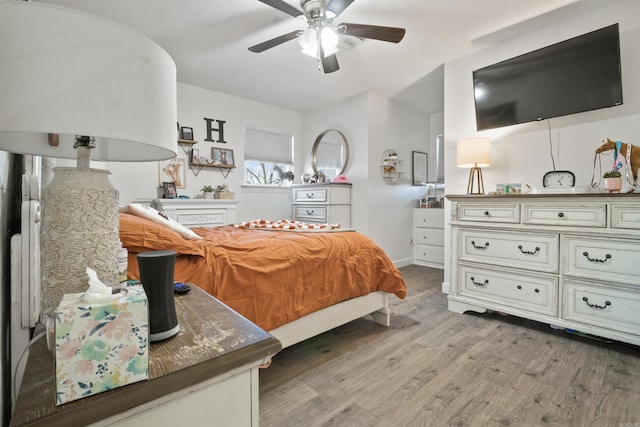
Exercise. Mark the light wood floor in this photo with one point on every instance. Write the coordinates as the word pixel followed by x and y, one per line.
pixel 433 367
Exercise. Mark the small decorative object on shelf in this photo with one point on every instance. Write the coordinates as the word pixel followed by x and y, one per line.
pixel 612 181
pixel 186 133
pixel 222 192
pixel 208 191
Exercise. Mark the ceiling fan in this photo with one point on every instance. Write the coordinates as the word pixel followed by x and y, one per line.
pixel 320 38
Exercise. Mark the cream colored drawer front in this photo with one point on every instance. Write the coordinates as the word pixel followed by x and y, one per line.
pixel 537 252
pixel 428 253
pixel 597 305
pixel 606 259
pixel 311 195
pixel 625 216
pixel 568 215
pixel 429 218
pixel 486 212
pixel 205 217
pixel 537 293
pixel 311 213
pixel 429 236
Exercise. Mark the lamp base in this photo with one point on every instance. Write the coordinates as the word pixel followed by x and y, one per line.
pixel 475 177
pixel 79 229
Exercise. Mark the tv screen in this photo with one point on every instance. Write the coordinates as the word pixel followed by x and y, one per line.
pixel 576 75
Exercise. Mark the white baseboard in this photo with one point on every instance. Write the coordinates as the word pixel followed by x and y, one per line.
pixel 446 288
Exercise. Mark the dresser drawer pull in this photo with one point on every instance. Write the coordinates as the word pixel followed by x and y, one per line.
pixel 482 284
pixel 309 212
pixel 606 257
pixel 560 215
pixel 486 245
pixel 601 307
pixel 486 213
pixel 528 252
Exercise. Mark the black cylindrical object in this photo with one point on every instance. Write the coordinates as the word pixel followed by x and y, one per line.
pixel 156 275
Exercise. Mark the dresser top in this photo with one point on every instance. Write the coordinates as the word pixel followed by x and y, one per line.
pixel 521 196
pixel 213 340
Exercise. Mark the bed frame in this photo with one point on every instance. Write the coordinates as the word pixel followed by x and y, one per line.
pixel 376 304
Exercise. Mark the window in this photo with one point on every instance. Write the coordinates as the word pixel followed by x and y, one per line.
pixel 268 157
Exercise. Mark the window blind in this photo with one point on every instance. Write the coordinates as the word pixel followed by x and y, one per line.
pixel 268 146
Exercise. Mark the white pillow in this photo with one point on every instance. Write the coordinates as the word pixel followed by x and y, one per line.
pixel 155 216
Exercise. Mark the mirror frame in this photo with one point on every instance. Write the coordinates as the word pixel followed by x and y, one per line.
pixel 314 151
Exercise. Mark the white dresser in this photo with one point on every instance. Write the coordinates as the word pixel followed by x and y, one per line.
pixel 198 212
pixel 323 203
pixel 568 260
pixel 428 237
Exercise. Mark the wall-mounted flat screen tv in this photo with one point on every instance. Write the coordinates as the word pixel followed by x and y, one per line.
pixel 575 75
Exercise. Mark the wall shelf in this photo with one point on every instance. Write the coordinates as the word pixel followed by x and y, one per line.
pixel 196 167
pixel 187 145
pixel 392 166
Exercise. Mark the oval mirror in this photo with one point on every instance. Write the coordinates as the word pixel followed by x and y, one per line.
pixel 330 154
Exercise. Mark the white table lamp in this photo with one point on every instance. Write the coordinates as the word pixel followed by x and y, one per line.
pixel 79 86
pixel 475 154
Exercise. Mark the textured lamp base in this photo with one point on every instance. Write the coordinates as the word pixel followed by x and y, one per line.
pixel 475 177
pixel 79 230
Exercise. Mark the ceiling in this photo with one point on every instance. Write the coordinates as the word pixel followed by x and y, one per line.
pixel 208 39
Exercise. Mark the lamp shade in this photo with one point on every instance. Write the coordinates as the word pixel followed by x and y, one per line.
pixel 473 152
pixel 66 72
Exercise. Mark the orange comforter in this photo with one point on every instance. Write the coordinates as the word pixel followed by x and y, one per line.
pixel 270 277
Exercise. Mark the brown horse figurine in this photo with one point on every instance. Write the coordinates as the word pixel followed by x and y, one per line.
pixel 635 154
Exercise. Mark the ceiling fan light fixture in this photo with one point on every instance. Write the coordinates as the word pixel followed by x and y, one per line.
pixel 308 41
pixel 329 40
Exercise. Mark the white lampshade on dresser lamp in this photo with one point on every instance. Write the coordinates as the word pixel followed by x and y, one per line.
pixel 74 85
pixel 475 154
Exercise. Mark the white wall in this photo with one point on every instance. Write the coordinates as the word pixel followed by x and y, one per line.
pixel 372 123
pixel 140 180
pixel 521 153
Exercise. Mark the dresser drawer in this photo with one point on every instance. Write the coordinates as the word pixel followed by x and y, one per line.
pixel 202 218
pixel 583 215
pixel 606 259
pixel 311 213
pixel 533 292
pixel 428 253
pixel 489 212
pixel 537 252
pixel 428 236
pixel 613 308
pixel 310 194
pixel 625 216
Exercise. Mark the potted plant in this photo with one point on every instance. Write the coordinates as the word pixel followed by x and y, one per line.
pixel 208 191
pixel 612 181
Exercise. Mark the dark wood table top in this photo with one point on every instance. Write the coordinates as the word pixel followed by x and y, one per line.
pixel 213 340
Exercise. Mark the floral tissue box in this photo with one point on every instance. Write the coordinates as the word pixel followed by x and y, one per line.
pixel 99 347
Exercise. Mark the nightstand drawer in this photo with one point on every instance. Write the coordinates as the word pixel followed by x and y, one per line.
pixel 311 213
pixel 537 252
pixel 429 253
pixel 310 195
pixel 583 215
pixel 625 216
pixel 614 308
pixel 605 259
pixel 429 236
pixel 533 292
pixel 489 212
pixel 428 218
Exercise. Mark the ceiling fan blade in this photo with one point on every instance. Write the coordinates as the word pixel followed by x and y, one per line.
pixel 387 34
pixel 338 6
pixel 261 47
pixel 282 6
pixel 329 63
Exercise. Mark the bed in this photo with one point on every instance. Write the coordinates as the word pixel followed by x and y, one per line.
pixel 294 284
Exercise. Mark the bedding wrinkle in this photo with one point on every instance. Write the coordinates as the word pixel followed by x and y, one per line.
pixel 270 277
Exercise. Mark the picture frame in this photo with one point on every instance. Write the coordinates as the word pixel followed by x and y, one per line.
pixel 222 157
pixel 419 169
pixel 186 133
pixel 195 155
pixel 173 170
pixel 169 189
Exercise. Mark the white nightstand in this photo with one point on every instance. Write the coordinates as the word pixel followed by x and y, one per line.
pixel 428 237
